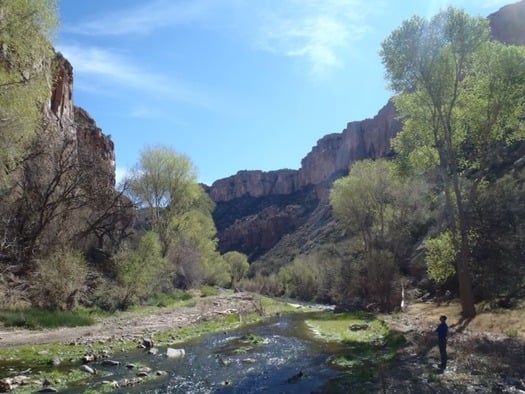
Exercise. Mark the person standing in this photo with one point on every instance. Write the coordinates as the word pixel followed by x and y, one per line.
pixel 442 331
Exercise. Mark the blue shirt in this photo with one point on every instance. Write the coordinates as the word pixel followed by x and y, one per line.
pixel 442 331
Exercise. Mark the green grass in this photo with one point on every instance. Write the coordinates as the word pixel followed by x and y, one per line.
pixel 208 291
pixel 171 299
pixel 371 348
pixel 35 318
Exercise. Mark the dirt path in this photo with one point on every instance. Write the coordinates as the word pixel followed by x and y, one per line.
pixel 129 325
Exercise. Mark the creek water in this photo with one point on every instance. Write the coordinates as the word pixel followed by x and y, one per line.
pixel 286 358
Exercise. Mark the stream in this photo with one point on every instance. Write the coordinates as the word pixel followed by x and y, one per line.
pixel 286 358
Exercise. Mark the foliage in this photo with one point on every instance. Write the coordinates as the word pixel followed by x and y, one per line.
pixel 459 96
pixel 263 284
pixel 164 182
pixel 384 213
pixel 440 256
pixel 59 280
pixel 141 272
pixel 26 31
pixel 301 278
pixel 239 265
pixel 162 300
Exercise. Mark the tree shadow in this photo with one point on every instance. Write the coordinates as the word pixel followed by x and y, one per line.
pixel 461 324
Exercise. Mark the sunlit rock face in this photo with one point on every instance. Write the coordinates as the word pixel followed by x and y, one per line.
pixel 335 153
pixel 280 213
pixel 63 120
pixel 253 184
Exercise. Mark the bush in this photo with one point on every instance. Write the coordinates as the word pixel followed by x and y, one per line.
pixel 140 272
pixel 59 280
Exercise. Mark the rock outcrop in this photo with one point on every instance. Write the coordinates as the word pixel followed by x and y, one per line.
pixel 256 209
pixel 64 121
pixel 508 24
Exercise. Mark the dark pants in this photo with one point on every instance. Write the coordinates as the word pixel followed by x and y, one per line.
pixel 443 352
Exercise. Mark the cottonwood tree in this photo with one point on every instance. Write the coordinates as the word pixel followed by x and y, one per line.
pixel 164 184
pixel 381 210
pixel 451 84
pixel 26 32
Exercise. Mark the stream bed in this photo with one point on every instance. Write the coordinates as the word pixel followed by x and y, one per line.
pixel 278 356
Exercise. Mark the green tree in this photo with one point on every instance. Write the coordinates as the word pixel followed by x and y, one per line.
pixel 165 183
pixel 26 33
pixel 140 272
pixel 382 211
pixel 452 83
pixel 239 265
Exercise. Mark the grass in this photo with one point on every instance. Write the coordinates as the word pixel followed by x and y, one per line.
pixel 174 298
pixel 336 327
pixel 371 347
pixel 35 318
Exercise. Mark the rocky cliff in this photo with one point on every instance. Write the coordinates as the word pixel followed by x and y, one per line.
pixel 274 215
pixel 95 151
pixel 508 24
pixel 255 209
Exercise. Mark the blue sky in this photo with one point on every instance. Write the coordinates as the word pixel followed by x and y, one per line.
pixel 232 84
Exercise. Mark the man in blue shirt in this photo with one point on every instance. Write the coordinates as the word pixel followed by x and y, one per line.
pixel 442 331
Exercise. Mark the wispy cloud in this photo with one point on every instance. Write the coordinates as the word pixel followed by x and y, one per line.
pixel 145 18
pixel 319 31
pixel 114 69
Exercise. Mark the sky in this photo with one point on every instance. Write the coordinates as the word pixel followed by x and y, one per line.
pixel 232 84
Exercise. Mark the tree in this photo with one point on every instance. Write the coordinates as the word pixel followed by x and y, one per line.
pixel 141 272
pixel 26 32
pixel 164 183
pixel 239 265
pixel 381 210
pixel 451 84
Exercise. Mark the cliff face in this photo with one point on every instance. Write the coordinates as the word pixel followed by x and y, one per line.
pixel 255 209
pixel 273 215
pixel 508 24
pixel 95 151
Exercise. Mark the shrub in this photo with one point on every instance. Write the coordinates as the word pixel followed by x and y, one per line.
pixel 59 280
pixel 140 272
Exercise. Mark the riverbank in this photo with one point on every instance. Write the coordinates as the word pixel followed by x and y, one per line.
pixel 132 326
pixel 487 354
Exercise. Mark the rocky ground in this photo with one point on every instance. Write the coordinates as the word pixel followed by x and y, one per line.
pixel 486 354
pixel 133 326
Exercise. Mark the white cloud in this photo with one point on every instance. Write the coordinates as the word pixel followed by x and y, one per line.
pixel 114 69
pixel 319 31
pixel 144 19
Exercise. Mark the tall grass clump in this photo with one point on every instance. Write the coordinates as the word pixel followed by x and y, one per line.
pixel 36 318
